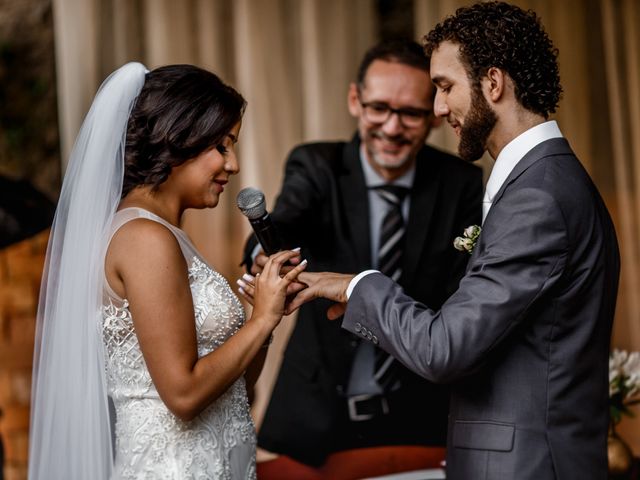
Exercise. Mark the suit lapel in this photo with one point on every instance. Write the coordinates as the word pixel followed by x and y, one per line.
pixel 356 203
pixel 549 147
pixel 423 200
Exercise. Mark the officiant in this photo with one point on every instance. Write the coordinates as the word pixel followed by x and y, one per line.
pixel 386 200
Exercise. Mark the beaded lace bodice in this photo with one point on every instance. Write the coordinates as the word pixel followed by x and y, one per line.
pixel 151 442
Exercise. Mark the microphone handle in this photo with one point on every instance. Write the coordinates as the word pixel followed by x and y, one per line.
pixel 267 234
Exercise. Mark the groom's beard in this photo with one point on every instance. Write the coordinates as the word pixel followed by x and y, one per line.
pixel 477 127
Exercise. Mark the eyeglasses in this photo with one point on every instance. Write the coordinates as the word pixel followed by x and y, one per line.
pixel 379 113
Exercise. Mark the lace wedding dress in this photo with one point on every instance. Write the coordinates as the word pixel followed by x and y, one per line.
pixel 151 442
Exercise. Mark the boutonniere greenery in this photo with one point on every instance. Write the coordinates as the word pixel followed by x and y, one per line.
pixel 468 240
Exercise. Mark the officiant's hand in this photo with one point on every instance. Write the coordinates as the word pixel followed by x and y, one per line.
pixel 332 286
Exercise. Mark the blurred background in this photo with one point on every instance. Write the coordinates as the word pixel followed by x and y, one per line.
pixel 293 61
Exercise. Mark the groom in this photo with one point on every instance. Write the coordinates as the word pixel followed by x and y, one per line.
pixel 524 341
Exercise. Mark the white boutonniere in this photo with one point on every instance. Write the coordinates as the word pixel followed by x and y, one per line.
pixel 468 239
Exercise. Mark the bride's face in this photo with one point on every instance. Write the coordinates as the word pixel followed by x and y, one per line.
pixel 201 180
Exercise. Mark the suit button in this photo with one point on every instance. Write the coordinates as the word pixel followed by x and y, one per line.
pixel 358 327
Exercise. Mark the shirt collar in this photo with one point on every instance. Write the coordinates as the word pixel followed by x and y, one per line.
pixel 513 152
pixel 373 178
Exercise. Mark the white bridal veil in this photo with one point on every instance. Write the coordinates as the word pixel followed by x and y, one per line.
pixel 70 435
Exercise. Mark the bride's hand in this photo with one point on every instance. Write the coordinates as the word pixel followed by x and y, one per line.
pixel 268 291
pixel 246 288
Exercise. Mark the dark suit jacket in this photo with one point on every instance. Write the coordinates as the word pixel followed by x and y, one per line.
pixel 323 208
pixel 526 336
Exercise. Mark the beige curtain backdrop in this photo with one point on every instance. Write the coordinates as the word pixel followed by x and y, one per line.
pixel 293 60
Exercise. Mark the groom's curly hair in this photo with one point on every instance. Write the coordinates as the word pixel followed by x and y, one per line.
pixel 182 111
pixel 497 34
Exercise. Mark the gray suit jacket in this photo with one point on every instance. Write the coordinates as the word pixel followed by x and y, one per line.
pixel 525 339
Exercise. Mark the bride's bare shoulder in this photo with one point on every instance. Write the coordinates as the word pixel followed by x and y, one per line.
pixel 142 247
pixel 142 234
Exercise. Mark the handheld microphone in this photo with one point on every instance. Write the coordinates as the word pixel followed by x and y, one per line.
pixel 252 204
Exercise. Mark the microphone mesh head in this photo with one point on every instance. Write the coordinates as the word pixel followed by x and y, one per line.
pixel 251 203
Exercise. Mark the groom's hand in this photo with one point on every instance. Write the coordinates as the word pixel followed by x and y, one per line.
pixel 332 286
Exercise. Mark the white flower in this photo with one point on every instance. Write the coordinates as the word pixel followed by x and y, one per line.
pixel 468 240
pixel 458 243
pixel 624 373
pixel 472 231
pixel 632 364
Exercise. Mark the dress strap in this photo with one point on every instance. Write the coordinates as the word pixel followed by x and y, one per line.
pixel 126 215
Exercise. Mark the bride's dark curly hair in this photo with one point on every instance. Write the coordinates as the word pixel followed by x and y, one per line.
pixel 182 111
pixel 497 34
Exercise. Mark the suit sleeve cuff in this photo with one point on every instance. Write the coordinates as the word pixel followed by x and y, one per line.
pixel 354 281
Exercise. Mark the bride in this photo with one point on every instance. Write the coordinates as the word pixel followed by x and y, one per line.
pixel 130 310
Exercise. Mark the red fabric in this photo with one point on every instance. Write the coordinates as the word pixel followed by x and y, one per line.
pixel 286 468
pixel 355 464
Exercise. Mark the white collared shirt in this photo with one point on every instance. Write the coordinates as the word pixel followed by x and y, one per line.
pixel 511 154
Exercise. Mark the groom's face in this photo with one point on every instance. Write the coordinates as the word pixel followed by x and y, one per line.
pixel 461 103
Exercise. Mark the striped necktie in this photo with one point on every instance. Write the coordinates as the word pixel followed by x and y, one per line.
pixel 392 232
